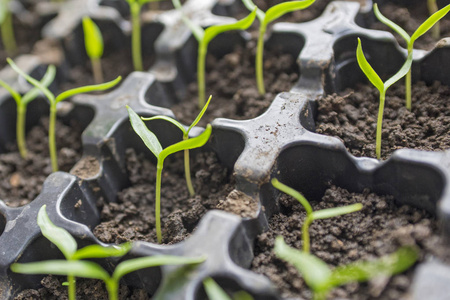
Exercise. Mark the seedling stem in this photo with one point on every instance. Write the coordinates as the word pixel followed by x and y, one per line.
pixel 7 29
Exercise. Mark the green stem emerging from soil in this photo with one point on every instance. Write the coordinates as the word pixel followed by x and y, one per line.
pixel 305 232
pixel 97 70
pixel 408 90
pixel 187 173
pixel 259 61
pixel 380 125
pixel 51 137
pixel 8 39
pixel 135 8
pixel 20 129
pixel 113 289
pixel 72 287
pixel 159 168
pixel 201 74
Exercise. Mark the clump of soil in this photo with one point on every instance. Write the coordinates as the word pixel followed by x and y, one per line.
pixel 133 216
pixel 352 117
pixel 379 228
pixel 410 18
pixel 21 179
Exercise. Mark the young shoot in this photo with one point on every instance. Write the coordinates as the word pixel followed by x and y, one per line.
pixel 93 42
pixel 54 100
pixel 153 144
pixel 269 16
pixel 381 86
pixel 187 168
pixel 204 37
pixel 215 292
pixel 6 28
pixel 136 48
pixel 21 105
pixel 322 279
pixel 432 20
pixel 314 215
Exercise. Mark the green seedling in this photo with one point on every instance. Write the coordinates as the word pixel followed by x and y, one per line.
pixel 313 215
pixel 136 48
pixel 74 266
pixel 322 279
pixel 381 86
pixel 68 246
pixel 6 28
pixel 265 18
pixel 93 42
pixel 187 168
pixel 22 103
pixel 432 20
pixel 433 8
pixel 204 37
pixel 153 144
pixel 215 292
pixel 55 100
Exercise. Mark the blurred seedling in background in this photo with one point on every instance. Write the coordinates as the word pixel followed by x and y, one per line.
pixel 6 28
pixel 215 292
pixel 93 42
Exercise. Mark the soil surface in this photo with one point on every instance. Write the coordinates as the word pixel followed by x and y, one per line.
pixel 410 18
pixel 133 216
pixel 378 229
pixel 352 117
pixel 21 179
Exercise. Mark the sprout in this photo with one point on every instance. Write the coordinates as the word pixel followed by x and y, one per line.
pixel 74 266
pixel 22 103
pixel 433 8
pixel 321 279
pixel 215 292
pixel 6 27
pixel 272 14
pixel 135 9
pixel 433 19
pixel 153 144
pixel 187 168
pixel 93 42
pixel 382 87
pixel 314 215
pixel 55 100
pixel 204 37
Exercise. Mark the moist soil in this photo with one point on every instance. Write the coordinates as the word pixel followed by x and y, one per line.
pixel 410 18
pixel 380 228
pixel 21 179
pixel 352 117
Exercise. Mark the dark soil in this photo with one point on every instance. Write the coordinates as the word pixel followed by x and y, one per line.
pixel 21 180
pixel 231 82
pixel 352 117
pixel 133 216
pixel 410 18
pixel 378 229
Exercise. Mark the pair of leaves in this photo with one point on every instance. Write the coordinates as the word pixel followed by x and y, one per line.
pixel 321 279
pixel 93 39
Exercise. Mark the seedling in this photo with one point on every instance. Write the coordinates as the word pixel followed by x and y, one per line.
pixel 22 103
pixel 152 143
pixel 381 86
pixel 6 27
pixel 187 168
pixel 433 8
pixel 314 215
pixel 73 266
pixel 271 15
pixel 136 50
pixel 93 42
pixel 204 37
pixel 215 292
pixel 55 100
pixel 322 279
pixel 432 20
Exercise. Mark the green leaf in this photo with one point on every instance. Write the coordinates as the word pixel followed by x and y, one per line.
pixel 402 72
pixel 391 24
pixel 57 235
pixel 251 7
pixel 433 19
pixel 80 268
pixel 16 96
pixel 214 291
pixel 212 31
pixel 293 193
pixel 315 271
pixel 93 39
pixel 336 211
pixel 192 143
pixel 46 80
pixel 31 80
pixel 98 251
pixel 168 119
pixel 4 9
pixel 279 10
pixel 87 89
pixel 148 137
pixel 394 263
pixel 200 115
pixel 242 295
pixel 367 69
pixel 176 4
pixel 135 264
